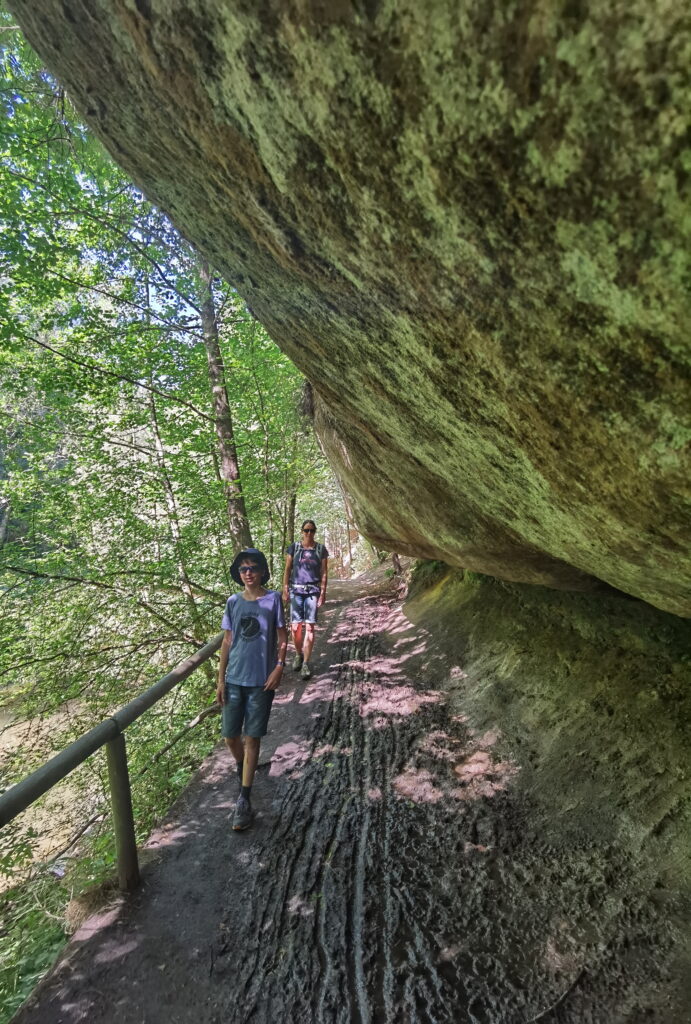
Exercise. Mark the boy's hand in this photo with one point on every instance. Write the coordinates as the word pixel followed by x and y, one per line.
pixel 220 693
pixel 274 678
pixel 320 602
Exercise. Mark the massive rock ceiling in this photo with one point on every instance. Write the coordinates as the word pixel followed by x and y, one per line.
pixel 467 223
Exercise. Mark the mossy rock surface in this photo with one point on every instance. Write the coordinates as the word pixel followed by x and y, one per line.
pixel 468 224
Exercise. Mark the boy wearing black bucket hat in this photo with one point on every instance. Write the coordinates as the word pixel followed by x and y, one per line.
pixel 249 670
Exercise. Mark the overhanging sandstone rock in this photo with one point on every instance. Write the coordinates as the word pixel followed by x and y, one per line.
pixel 468 224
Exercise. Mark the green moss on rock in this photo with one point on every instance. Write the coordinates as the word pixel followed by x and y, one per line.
pixel 469 225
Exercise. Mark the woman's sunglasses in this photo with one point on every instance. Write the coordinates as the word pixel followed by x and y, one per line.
pixel 309 529
pixel 248 568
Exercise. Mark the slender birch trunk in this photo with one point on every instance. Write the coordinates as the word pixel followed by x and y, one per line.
pixel 229 467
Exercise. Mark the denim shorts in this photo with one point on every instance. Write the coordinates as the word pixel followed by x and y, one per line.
pixel 303 607
pixel 246 711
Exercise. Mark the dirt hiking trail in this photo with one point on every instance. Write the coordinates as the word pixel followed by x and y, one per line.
pixel 392 874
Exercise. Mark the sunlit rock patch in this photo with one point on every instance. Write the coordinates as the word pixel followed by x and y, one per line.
pixel 418 784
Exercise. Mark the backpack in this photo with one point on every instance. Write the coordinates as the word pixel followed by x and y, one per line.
pixel 319 550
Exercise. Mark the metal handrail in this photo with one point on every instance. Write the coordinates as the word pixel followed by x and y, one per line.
pixel 108 733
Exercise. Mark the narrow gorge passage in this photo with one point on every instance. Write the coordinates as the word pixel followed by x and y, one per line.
pixel 406 880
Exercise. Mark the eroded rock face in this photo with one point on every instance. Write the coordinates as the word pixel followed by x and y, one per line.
pixel 468 224
pixel 578 708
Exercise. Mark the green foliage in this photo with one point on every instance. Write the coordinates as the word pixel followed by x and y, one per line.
pixel 32 937
pixel 31 932
pixel 118 545
pixel 114 533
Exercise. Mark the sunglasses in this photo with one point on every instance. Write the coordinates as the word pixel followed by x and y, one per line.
pixel 309 529
pixel 248 568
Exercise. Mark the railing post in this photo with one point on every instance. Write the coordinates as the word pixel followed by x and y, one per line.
pixel 123 819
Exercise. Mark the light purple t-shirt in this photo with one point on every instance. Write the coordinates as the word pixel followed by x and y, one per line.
pixel 252 655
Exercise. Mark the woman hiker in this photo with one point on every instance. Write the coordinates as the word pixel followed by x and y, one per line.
pixel 304 579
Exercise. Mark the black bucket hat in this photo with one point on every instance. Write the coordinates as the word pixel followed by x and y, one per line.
pixel 256 555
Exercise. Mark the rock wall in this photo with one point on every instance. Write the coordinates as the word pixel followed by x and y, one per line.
pixel 579 706
pixel 468 224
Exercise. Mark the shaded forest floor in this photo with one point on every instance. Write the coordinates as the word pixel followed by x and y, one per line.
pixel 394 872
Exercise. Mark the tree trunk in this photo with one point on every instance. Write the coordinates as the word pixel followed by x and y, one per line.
pixel 350 546
pixel 290 528
pixel 4 519
pixel 229 466
pixel 198 628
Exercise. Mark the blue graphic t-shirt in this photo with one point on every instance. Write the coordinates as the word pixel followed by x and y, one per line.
pixel 307 566
pixel 252 655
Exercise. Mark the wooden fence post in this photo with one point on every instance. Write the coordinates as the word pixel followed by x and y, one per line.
pixel 123 819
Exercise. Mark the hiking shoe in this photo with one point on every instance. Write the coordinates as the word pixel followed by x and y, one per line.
pixel 306 671
pixel 297 662
pixel 243 814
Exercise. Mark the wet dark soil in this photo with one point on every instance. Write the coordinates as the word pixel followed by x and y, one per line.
pixel 394 873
